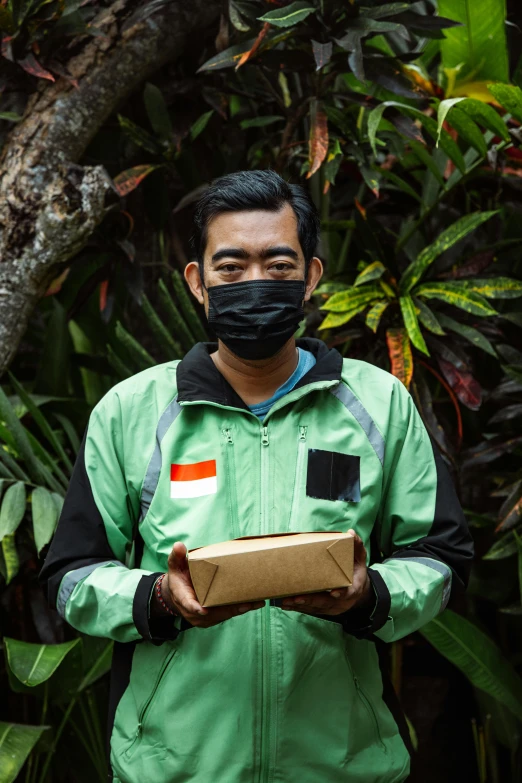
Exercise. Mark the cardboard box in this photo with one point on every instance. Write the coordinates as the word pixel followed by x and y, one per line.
pixel 258 567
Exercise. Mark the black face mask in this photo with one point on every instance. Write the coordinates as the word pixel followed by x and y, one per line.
pixel 256 318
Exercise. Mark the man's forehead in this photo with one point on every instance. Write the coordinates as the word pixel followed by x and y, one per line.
pixel 253 227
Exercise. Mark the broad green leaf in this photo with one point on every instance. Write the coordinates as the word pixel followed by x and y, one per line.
pixel 329 288
pixel 456 296
pixel 45 516
pixel 157 111
pixel 12 509
pixel 444 241
pixel 16 743
pixel 427 317
pixel 33 664
pixel 411 323
pixel 260 122
pixel 11 559
pixel 477 656
pixel 478 48
pixel 374 315
pixel 200 125
pixel 485 115
pixel 509 96
pixel 372 272
pixel 468 332
pixel 289 15
pixel 494 287
pixel 352 297
pixel 228 57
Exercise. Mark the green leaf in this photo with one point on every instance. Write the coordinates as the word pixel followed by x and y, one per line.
pixel 428 318
pixel 505 547
pixel 10 115
pixel 427 159
pixel 175 322
pixel 468 131
pixel 260 122
pixel 494 287
pixel 41 421
pixel 12 509
pixel 16 743
pixel 477 656
pixel 469 333
pixel 45 516
pixel 9 551
pixel 412 325
pixel 478 48
pixel 200 124
pixel 444 241
pixel 333 320
pixel 20 438
pixel 352 297
pixel 139 136
pixel 509 96
pixel 187 308
pixel 374 120
pixel 519 553
pixel 228 57
pixel 442 112
pixel 157 112
pixel 372 272
pixel 140 356
pixel 485 115
pixel 401 184
pixel 374 315
pixel 33 664
pixel 100 667
pixel 289 15
pixel 162 335
pixel 454 295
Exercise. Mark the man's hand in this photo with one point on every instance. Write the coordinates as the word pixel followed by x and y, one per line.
pixel 338 601
pixel 178 593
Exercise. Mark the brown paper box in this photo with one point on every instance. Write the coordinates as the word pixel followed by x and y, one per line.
pixel 259 567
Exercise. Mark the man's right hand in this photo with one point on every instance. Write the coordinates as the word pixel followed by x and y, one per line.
pixel 178 593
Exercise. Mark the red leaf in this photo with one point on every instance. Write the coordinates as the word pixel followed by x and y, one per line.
pixel 104 287
pixel 401 359
pixel 462 382
pixel 257 43
pixel 32 66
pixel 473 266
pixel 318 143
pixel 129 179
pixel 360 208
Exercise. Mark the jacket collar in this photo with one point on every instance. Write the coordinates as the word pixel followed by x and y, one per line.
pixel 199 380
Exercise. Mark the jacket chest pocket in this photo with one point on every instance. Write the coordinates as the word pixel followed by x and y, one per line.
pixel 332 475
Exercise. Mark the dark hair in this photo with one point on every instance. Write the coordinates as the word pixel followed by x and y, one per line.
pixel 247 190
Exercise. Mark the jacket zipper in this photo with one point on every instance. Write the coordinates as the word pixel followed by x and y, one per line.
pixel 365 700
pixel 266 744
pixel 298 478
pixel 231 479
pixel 143 711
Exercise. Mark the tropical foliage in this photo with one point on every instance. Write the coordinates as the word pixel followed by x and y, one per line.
pixel 405 123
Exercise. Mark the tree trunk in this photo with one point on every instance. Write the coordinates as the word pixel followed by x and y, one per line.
pixel 49 205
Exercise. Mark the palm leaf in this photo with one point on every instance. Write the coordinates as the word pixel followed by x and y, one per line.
pixel 477 656
pixel 444 241
pixel 411 323
pixel 455 295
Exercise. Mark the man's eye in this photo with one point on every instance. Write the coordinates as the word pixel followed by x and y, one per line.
pixel 229 268
pixel 281 266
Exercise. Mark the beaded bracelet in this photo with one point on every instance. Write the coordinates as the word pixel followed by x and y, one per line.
pixel 159 596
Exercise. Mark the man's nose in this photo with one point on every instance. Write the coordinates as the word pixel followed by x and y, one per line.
pixel 256 272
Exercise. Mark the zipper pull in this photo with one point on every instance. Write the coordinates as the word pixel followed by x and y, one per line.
pixel 302 433
pixel 264 436
pixel 228 436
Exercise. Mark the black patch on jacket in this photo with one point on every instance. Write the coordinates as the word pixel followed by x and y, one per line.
pixel 332 475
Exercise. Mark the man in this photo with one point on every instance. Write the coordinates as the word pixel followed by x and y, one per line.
pixel 298 440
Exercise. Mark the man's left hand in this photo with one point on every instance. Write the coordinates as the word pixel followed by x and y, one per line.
pixel 342 599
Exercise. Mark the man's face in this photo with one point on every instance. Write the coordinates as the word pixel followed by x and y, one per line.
pixel 254 245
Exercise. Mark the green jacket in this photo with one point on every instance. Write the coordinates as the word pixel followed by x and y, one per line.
pixel 271 695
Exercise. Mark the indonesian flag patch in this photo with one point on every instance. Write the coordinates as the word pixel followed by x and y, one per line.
pixel 193 481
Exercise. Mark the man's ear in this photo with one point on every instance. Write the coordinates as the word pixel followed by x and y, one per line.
pixel 193 279
pixel 315 272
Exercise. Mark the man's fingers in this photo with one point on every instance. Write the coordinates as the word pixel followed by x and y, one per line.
pixel 359 551
pixel 178 557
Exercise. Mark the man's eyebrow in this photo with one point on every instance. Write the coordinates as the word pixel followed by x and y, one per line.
pixel 269 252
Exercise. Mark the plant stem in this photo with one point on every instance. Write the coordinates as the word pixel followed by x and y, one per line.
pixel 57 736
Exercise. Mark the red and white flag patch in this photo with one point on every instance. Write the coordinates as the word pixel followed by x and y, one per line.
pixel 193 481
